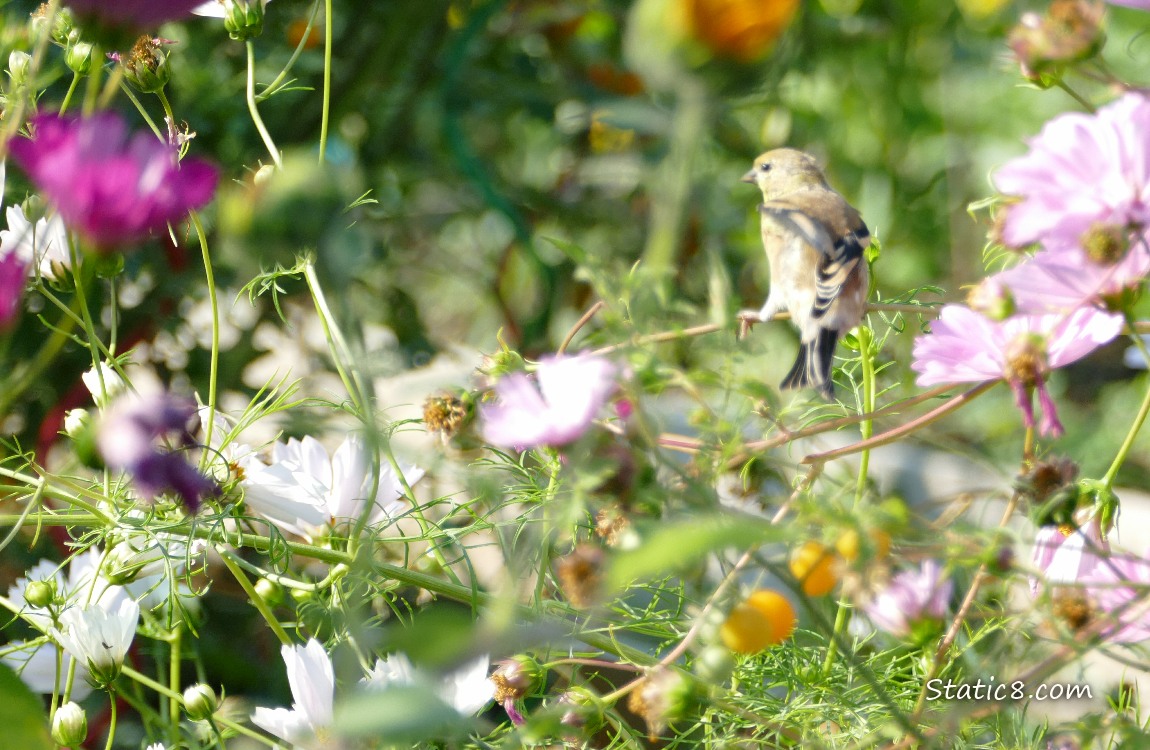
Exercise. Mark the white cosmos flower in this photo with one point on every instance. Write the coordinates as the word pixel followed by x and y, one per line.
pixel 307 724
pixel 37 668
pixel 99 638
pixel 214 8
pixel 43 244
pixel 304 489
pixel 467 689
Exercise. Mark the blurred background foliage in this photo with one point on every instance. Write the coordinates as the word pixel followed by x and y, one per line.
pixel 479 148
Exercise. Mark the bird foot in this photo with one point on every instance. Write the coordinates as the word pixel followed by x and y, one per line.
pixel 747 319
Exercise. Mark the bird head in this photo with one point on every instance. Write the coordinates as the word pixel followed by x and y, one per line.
pixel 783 171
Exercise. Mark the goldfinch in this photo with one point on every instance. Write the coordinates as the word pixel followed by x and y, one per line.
pixel 814 241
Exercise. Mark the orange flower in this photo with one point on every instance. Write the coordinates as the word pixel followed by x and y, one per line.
pixel 739 29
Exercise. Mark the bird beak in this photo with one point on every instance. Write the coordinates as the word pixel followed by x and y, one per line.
pixel 748 177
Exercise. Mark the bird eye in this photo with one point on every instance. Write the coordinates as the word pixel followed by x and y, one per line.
pixel 765 167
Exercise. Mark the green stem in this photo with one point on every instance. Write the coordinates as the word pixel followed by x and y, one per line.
pixel 1135 428
pixel 112 720
pixel 866 427
pixel 274 86
pixel 326 111
pixel 1075 95
pixel 214 367
pixel 841 619
pixel 255 112
pixel 174 655
pixel 257 600
pixel 71 90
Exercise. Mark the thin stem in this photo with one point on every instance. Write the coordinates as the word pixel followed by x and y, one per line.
pixel 254 111
pixel 274 86
pixel 1135 427
pixel 214 367
pixel 917 424
pixel 842 617
pixel 325 112
pixel 257 600
pixel 174 658
pixel 591 312
pixel 866 427
pixel 112 720
pixel 1075 95
pixel 71 90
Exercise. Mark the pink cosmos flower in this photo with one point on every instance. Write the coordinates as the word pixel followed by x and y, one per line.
pixel 965 347
pixel 1065 554
pixel 109 185
pixel 910 597
pixel 1119 587
pixel 1054 281
pixel 133 13
pixel 1085 178
pixel 570 392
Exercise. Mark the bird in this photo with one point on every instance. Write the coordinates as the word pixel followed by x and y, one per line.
pixel 814 240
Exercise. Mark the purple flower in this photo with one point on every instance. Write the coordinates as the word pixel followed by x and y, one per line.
pixel 133 13
pixel 570 392
pixel 1054 281
pixel 107 184
pixel 1085 181
pixel 910 597
pixel 964 346
pixel 142 435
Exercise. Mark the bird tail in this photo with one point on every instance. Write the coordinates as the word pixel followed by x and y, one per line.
pixel 813 365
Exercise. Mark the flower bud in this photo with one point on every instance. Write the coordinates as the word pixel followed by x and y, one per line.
pixel 270 591
pixel 992 298
pixel 63 24
pixel 583 709
pixel 122 564
pixel 40 594
pixel 244 19
pixel 19 65
pixel 78 58
pixel 70 725
pixel 200 702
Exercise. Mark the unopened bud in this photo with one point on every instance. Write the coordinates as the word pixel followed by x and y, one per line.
pixel 146 66
pixel 270 591
pixel 40 594
pixel 78 58
pixel 200 702
pixel 19 65
pixel 70 725
pixel 244 19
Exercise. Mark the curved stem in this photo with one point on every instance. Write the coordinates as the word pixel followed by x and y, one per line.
pixel 254 111
pixel 214 367
pixel 71 90
pixel 1135 427
pixel 112 720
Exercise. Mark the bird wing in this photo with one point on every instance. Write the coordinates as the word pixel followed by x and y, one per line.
pixel 840 244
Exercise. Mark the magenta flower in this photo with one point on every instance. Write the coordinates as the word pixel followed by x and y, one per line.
pixel 965 347
pixel 13 276
pixel 145 436
pixel 133 13
pixel 911 597
pixel 570 392
pixel 1085 182
pixel 1054 281
pixel 111 186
